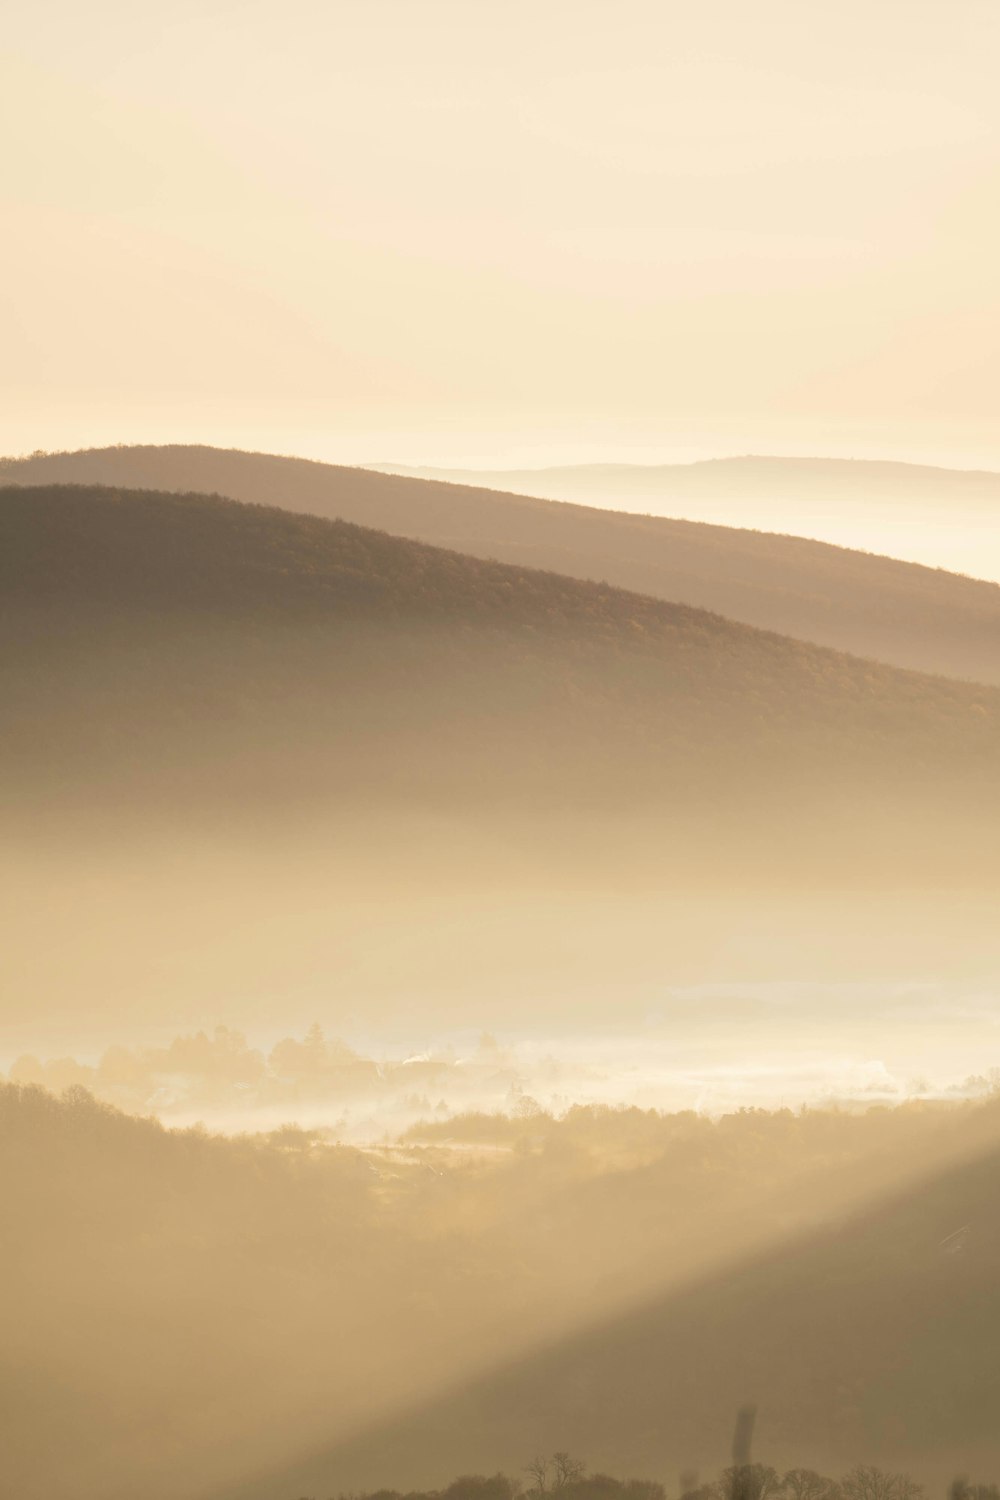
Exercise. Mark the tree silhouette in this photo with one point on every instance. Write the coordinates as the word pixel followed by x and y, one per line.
pixel 806 1484
pixel 866 1482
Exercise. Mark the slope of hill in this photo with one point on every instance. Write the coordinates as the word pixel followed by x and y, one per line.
pixel 165 652
pixel 870 1340
pixel 873 606
pixel 946 518
pixel 240 745
pixel 193 1309
pixel 490 642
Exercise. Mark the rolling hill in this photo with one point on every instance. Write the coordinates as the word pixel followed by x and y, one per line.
pixel 946 518
pixel 310 610
pixel 900 613
pixel 180 651
pixel 240 745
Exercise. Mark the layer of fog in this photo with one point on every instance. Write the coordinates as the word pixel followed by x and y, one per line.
pixel 712 1049
pixel 920 531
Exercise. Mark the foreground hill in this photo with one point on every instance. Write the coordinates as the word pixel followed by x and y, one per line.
pixel 896 612
pixel 948 518
pixel 869 1340
pixel 194 1310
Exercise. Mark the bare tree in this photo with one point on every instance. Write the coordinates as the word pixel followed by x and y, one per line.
pixel 806 1484
pixel 566 1470
pixel 539 1471
pixel 866 1482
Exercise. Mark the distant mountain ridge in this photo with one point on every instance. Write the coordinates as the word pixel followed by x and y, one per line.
pixel 762 472
pixel 948 518
pixel 876 607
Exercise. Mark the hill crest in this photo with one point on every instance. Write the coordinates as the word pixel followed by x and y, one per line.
pixel 899 613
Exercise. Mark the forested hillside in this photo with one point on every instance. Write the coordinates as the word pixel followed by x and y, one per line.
pixel 194 1310
pixel 870 1338
pixel 192 638
pixel 242 745
pixel 874 606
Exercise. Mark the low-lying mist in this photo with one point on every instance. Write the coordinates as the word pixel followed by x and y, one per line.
pixel 397 933
pixel 712 1051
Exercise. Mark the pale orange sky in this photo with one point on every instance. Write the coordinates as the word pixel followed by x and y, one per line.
pixel 503 231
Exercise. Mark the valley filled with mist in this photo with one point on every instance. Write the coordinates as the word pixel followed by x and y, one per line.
pixel 942 518
pixel 499 750
pixel 387 919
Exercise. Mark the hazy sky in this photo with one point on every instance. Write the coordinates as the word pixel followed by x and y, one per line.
pixel 503 230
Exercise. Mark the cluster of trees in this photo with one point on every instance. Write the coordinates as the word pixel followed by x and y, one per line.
pixel 756 1481
pixel 568 1478
pixel 220 1070
pixel 625 1136
pixel 559 1475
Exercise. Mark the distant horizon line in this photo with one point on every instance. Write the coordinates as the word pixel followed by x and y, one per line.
pixel 508 467
pixel 683 463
